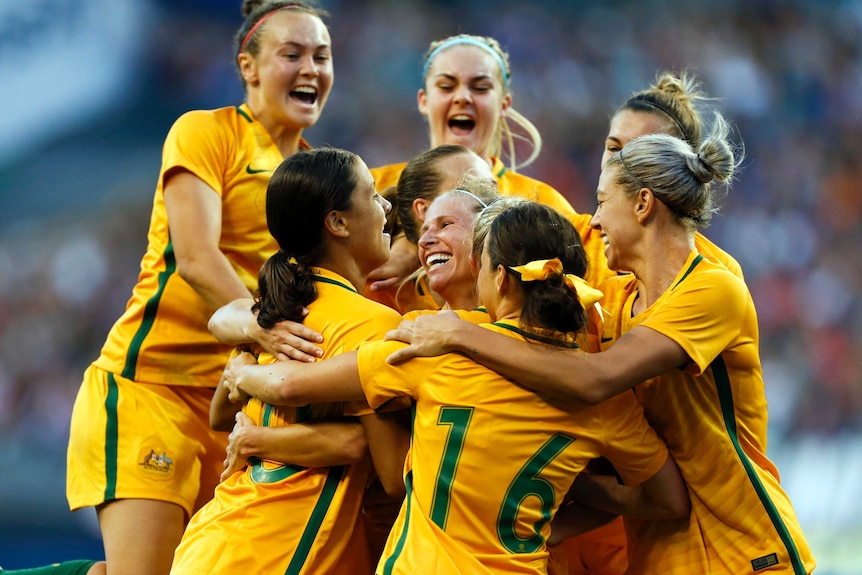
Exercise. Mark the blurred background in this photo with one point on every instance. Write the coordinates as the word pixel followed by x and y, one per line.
pixel 89 89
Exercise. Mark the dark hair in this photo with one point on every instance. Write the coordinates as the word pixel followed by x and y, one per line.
pixel 421 179
pixel 678 176
pixel 255 10
pixel 529 231
pixel 302 191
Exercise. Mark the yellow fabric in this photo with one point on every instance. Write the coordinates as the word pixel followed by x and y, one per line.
pixel 713 417
pixel 162 337
pixel 540 270
pixel 491 451
pixel 163 449
pixel 263 520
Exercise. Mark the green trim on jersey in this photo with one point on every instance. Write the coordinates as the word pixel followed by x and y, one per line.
pixel 321 508
pixel 537 337
pixel 150 311
pixel 690 269
pixel 242 113
pixel 502 171
pixel 333 282
pixel 725 398
pixel 399 547
pixel 111 438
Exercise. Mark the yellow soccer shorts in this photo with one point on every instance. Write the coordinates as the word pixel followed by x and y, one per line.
pixel 131 440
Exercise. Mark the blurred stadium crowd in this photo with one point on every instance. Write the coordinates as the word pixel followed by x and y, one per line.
pixel 787 73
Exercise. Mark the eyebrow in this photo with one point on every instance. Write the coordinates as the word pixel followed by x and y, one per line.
pixel 473 79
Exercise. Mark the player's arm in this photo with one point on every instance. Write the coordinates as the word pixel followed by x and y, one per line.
pixel 574 519
pixel 661 497
pixel 295 383
pixel 194 219
pixel 222 410
pixel 317 444
pixel 388 435
pixel 235 324
pixel 572 375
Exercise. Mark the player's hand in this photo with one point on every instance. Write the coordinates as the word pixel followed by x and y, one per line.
pixel 428 335
pixel 233 373
pixel 236 440
pixel 290 340
pixel 403 261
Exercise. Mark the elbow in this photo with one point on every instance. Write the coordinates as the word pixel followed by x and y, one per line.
pixel 355 445
pixel 394 486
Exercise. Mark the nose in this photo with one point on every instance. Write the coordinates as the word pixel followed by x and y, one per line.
pixel 309 66
pixel 462 94
pixel 595 222
pixel 427 239
pixel 387 205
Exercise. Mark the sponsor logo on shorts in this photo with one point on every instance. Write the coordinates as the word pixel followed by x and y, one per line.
pixel 158 462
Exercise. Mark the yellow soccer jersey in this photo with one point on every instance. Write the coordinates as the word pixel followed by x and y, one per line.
pixel 491 462
pixel 162 337
pixel 712 414
pixel 712 252
pixel 276 518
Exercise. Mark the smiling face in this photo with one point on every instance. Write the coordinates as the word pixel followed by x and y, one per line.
pixel 615 219
pixel 445 246
pixel 464 98
pixel 367 220
pixel 289 80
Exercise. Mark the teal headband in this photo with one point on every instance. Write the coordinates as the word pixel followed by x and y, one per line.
pixel 473 42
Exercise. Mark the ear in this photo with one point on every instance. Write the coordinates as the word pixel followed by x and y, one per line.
pixel 336 224
pixel 645 204
pixel 507 103
pixel 502 280
pixel 420 206
pixel 247 68
pixel 474 265
pixel 422 102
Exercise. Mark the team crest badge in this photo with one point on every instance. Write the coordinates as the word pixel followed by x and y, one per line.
pixel 156 462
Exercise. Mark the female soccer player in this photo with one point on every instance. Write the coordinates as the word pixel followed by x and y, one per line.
pixel 468 509
pixel 328 220
pixel 683 333
pixel 466 100
pixel 141 449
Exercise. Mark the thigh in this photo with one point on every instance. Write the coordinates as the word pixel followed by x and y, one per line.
pixel 140 535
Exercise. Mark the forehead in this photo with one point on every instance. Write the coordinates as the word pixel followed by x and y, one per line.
pixel 607 180
pixel 293 26
pixel 627 125
pixel 451 205
pixel 465 61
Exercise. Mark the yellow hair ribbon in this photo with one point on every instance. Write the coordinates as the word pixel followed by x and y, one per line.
pixel 540 270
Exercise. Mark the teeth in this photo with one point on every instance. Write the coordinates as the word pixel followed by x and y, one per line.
pixel 435 259
pixel 461 118
pixel 305 89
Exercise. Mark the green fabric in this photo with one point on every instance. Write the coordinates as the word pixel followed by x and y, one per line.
pixel 77 567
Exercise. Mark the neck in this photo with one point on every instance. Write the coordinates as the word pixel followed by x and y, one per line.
pixel 466 300
pixel 285 137
pixel 665 255
pixel 346 268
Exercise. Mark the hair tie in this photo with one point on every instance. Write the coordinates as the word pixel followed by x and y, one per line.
pixel 540 270
pixel 661 108
pixel 473 42
pixel 472 195
pixel 261 21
